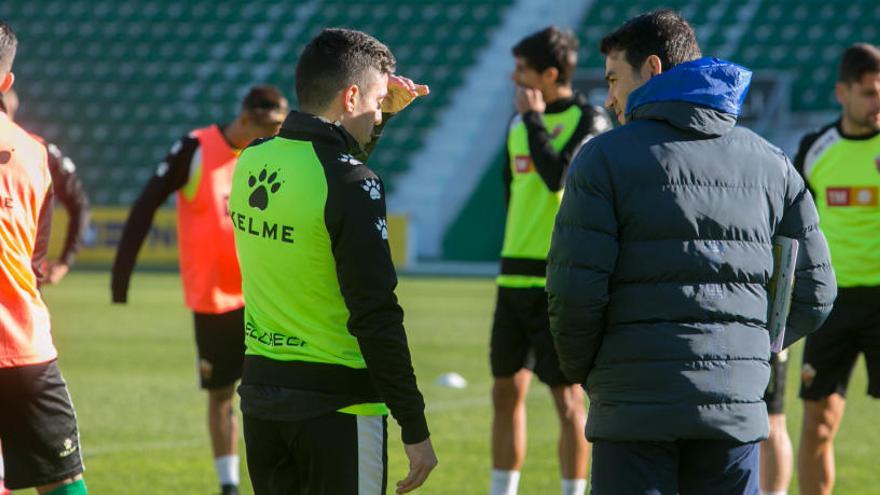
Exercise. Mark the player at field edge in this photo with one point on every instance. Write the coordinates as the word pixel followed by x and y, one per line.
pixel 69 191
pixel 199 170
pixel 38 427
pixel 841 165
pixel 551 123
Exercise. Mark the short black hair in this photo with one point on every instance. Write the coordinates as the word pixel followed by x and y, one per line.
pixel 857 60
pixel 265 102
pixel 8 43
pixel 662 32
pixel 550 47
pixel 334 60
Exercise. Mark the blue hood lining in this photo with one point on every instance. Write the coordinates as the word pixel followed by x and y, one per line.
pixel 709 82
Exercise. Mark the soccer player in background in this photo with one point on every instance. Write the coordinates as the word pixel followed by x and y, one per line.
pixel 551 124
pixel 327 351
pixel 199 169
pixel 659 269
pixel 69 191
pixel 38 427
pixel 776 452
pixel 841 165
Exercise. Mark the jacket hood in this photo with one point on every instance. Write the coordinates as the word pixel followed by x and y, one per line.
pixel 704 95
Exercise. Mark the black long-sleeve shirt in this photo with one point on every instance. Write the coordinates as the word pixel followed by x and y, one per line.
pixel 69 191
pixel 172 174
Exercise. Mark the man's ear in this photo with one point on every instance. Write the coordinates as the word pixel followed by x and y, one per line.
pixel 840 91
pixel 652 67
pixel 349 98
pixel 550 75
pixel 6 82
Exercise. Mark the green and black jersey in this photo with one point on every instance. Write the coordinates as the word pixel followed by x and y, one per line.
pixel 539 150
pixel 324 331
pixel 843 173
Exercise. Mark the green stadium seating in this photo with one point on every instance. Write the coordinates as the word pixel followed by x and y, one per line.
pixel 114 83
pixel 803 37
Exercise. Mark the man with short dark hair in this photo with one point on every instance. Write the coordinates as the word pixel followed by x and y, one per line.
pixel 69 191
pixel 38 428
pixel 199 169
pixel 841 165
pixel 552 122
pixel 327 355
pixel 660 265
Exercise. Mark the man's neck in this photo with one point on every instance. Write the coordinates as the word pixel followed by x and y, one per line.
pixel 556 93
pixel 854 129
pixel 235 135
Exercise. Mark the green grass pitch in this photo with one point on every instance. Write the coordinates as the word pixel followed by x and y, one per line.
pixel 131 371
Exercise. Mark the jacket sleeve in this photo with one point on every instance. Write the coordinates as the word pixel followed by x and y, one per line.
pixel 171 175
pixel 550 164
pixel 582 259
pixel 815 287
pixel 70 192
pixel 358 230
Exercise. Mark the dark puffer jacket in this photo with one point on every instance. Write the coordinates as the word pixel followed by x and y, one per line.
pixel 661 257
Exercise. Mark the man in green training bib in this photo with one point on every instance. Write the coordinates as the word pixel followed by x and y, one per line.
pixel 327 355
pixel 841 165
pixel 551 124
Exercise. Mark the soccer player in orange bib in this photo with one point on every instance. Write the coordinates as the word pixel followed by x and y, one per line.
pixel 38 427
pixel 199 169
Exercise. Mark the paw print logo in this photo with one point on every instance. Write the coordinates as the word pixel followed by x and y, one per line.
pixel 264 184
pixel 347 158
pixel 382 227
pixel 372 187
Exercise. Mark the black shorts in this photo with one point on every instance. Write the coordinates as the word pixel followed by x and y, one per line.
pixel 336 453
pixel 521 336
pixel 774 396
pixel 830 354
pixel 220 344
pixel 38 431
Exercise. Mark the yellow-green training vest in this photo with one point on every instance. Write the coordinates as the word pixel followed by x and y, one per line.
pixel 844 174
pixel 532 208
pixel 294 309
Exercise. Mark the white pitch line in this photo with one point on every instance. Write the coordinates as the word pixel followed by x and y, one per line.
pixel 91 450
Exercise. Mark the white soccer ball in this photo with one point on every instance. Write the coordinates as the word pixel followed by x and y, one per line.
pixel 451 380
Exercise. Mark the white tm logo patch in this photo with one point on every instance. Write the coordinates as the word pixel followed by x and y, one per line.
pixel 382 227
pixel 372 187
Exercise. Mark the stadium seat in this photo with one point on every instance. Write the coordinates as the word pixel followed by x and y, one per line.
pixel 96 74
pixel 786 35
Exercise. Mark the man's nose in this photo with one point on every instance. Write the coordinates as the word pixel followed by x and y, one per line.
pixel 609 101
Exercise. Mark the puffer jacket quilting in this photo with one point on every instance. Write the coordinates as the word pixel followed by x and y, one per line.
pixel 660 260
